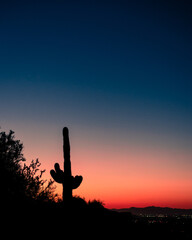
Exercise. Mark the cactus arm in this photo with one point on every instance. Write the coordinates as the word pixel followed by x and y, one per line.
pixel 76 181
pixel 57 174
pixel 55 177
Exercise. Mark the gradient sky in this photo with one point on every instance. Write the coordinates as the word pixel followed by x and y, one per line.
pixel 119 75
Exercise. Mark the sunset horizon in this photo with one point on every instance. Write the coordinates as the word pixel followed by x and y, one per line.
pixel 134 192
pixel 118 75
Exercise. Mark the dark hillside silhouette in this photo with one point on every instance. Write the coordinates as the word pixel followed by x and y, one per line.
pixel 28 207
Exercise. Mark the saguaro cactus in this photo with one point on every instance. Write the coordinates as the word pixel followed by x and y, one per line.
pixel 65 177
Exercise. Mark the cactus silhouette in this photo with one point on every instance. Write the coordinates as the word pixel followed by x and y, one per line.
pixel 65 177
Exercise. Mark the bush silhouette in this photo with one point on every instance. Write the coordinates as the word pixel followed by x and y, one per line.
pixel 21 182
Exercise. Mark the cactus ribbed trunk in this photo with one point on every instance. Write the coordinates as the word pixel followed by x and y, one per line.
pixel 67 184
pixel 65 177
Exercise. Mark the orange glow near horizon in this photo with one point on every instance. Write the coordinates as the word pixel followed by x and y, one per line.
pixel 125 177
pixel 117 74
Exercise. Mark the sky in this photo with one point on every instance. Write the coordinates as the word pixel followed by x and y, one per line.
pixel 118 75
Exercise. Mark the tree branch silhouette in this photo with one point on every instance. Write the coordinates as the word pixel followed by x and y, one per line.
pixel 21 182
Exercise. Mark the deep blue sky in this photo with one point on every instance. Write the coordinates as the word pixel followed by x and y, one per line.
pixel 117 61
pixel 118 74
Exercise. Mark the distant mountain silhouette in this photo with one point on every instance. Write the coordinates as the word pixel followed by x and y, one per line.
pixel 155 211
